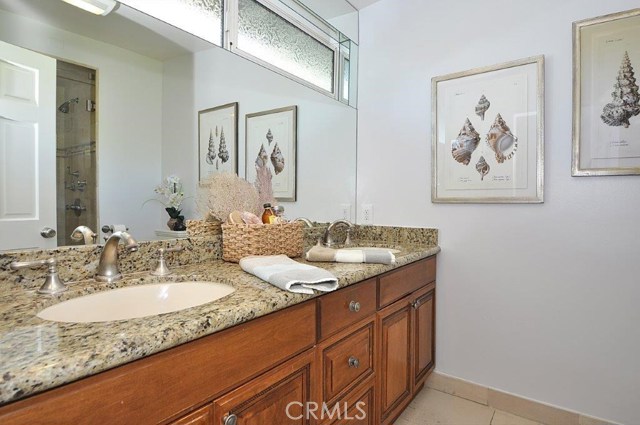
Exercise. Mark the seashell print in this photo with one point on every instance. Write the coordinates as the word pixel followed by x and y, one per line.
pixel 217 131
pixel 500 140
pixel 482 167
pixel 211 155
pixel 466 142
pixel 626 100
pixel 261 159
pixel 223 153
pixel 269 137
pixel 482 107
pixel 277 159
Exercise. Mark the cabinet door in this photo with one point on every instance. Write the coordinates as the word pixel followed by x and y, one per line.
pixel 423 334
pixel 357 409
pixel 395 359
pixel 278 397
pixel 202 416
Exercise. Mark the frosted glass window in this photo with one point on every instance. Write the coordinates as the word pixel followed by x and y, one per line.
pixel 272 39
pixel 202 18
pixel 346 74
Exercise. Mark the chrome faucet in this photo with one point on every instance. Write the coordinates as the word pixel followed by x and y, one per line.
pixel 108 269
pixel 83 233
pixel 304 220
pixel 327 239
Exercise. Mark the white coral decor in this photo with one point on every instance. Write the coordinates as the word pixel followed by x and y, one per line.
pixel 222 193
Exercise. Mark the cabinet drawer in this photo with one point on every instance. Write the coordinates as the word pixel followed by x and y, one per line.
pixel 346 306
pixel 398 283
pixel 347 362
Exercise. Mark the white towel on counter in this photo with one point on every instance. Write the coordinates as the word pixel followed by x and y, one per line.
pixel 370 255
pixel 289 275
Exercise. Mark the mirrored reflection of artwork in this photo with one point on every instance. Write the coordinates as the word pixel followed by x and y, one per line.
pixel 497 154
pixel 218 140
pixel 272 135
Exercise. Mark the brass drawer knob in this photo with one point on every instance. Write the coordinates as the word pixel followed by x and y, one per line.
pixel 354 306
pixel 354 362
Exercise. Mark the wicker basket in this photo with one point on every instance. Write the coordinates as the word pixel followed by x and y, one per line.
pixel 240 240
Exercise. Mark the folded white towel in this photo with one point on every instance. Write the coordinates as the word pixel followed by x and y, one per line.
pixel 365 255
pixel 289 275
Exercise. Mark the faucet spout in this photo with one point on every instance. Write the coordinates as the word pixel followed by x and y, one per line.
pixel 83 233
pixel 327 239
pixel 108 267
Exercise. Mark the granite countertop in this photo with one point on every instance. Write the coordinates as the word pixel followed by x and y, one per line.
pixel 36 355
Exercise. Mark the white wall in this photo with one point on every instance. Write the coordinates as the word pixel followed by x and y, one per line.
pixel 537 300
pixel 129 95
pixel 326 128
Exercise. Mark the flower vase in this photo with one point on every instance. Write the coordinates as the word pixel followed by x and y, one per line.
pixel 176 222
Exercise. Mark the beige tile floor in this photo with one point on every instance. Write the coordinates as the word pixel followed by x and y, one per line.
pixel 432 407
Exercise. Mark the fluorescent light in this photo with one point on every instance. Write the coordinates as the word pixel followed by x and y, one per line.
pixel 97 7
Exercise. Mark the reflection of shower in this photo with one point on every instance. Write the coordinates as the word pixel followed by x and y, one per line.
pixel 64 108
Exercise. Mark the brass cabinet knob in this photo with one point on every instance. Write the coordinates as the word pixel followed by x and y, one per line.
pixel 354 306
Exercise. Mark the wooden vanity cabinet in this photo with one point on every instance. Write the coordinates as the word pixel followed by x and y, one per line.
pixel 364 350
pixel 346 354
pixel 406 336
pixel 202 416
pixel 278 397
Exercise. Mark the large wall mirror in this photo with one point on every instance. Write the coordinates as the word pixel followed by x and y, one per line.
pixel 118 113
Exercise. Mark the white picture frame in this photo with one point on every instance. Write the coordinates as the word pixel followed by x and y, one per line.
pixel 606 115
pixel 488 134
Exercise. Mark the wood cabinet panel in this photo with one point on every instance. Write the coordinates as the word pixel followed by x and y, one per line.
pixel 277 397
pixel 423 334
pixel 159 387
pixel 357 409
pixel 395 359
pixel 202 416
pixel 401 282
pixel 347 361
pixel 346 306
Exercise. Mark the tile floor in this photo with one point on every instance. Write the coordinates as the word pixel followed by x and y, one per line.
pixel 431 407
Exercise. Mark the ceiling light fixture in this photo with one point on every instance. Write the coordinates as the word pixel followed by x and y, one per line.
pixel 97 7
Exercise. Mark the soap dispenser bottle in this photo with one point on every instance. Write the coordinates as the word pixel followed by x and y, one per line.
pixel 268 216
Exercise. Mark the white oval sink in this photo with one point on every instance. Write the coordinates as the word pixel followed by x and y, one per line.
pixel 135 301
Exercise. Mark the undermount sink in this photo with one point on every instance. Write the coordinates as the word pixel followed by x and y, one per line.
pixel 375 248
pixel 135 301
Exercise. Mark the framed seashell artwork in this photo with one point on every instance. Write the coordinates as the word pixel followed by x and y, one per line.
pixel 218 140
pixel 488 134
pixel 606 98
pixel 271 143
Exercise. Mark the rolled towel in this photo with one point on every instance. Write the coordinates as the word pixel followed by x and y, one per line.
pixel 377 256
pixel 289 275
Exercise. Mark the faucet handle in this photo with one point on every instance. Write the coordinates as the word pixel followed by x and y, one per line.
pixel 161 268
pixel 52 283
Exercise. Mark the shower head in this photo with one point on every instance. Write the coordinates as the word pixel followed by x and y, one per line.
pixel 64 108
